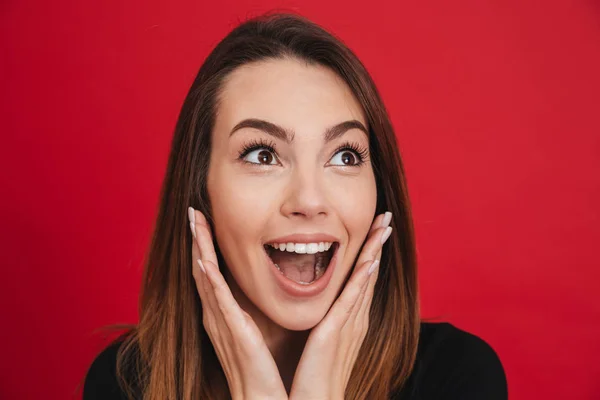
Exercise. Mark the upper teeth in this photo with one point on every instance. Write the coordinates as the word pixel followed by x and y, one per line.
pixel 302 248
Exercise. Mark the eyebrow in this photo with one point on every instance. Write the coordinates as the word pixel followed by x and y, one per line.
pixel 288 136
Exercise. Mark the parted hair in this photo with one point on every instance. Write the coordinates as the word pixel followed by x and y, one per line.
pixel 168 354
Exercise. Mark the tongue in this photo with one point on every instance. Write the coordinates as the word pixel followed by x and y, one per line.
pixel 298 267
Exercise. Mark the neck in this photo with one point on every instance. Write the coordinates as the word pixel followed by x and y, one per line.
pixel 285 345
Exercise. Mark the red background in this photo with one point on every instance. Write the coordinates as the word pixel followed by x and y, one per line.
pixel 496 106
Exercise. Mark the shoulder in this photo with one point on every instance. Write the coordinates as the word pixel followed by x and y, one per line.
pixel 101 378
pixel 452 363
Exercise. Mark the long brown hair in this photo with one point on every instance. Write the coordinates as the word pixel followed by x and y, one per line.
pixel 168 355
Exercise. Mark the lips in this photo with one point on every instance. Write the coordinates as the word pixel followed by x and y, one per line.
pixel 297 290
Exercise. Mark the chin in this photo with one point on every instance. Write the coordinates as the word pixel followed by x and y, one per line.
pixel 298 317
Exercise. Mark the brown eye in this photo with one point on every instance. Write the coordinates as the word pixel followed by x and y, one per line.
pixel 345 158
pixel 265 157
pixel 260 156
pixel 348 158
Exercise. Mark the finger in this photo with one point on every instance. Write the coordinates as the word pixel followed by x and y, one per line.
pixel 207 300
pixel 210 305
pixel 197 269
pixel 367 292
pixel 207 256
pixel 226 303
pixel 197 272
pixel 345 304
pixel 374 245
pixel 214 321
pixel 237 322
pixel 365 305
pixel 382 221
pixel 353 328
pixel 204 238
pixel 210 313
pixel 359 320
pixel 359 301
pixel 371 250
pixel 376 223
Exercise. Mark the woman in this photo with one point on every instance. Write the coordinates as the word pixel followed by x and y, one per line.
pixel 283 260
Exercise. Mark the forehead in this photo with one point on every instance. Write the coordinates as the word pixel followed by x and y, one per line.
pixel 287 92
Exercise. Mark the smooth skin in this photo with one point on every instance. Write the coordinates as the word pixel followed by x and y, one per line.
pixel 332 346
pixel 303 188
pixel 262 187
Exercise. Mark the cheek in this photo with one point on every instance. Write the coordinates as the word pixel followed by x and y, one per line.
pixel 245 201
pixel 356 208
pixel 240 213
pixel 355 199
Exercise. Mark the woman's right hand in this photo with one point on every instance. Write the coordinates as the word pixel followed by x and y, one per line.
pixel 246 360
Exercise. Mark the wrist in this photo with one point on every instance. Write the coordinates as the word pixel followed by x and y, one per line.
pixel 304 397
pixel 254 396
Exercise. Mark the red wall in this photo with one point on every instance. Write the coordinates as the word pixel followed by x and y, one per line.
pixel 497 109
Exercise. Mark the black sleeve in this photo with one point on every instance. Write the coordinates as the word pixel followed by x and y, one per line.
pixel 101 378
pixel 478 373
pixel 455 365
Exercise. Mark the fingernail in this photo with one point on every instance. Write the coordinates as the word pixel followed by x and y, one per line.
pixel 192 218
pixel 201 265
pixel 386 234
pixel 387 218
pixel 191 215
pixel 373 266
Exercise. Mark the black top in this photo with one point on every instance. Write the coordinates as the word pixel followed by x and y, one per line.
pixel 451 364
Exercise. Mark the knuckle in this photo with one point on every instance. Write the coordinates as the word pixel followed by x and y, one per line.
pixel 363 334
pixel 223 310
pixel 220 293
pixel 347 309
pixel 196 275
pixel 205 231
pixel 358 330
pixel 208 323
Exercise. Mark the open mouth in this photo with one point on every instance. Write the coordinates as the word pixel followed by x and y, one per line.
pixel 303 263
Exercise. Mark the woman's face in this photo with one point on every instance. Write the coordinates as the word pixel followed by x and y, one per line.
pixel 286 180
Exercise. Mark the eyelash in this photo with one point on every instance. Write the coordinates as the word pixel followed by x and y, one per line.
pixel 360 151
pixel 255 145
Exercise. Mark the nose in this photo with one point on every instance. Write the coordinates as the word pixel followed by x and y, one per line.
pixel 305 195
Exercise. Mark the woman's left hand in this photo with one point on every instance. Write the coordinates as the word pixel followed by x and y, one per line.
pixel 332 346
